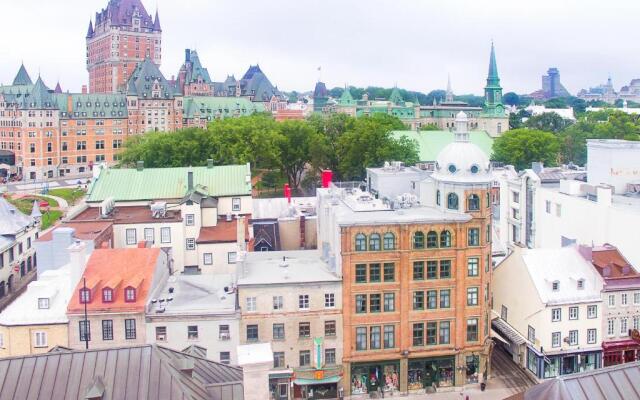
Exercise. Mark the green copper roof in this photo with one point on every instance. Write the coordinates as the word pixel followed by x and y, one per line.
pixel 396 97
pixel 197 70
pixel 219 107
pixel 94 105
pixel 493 80
pixel 129 184
pixel 147 79
pixel 22 78
pixel 346 99
pixel 431 143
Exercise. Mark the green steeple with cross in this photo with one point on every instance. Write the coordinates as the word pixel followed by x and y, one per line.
pixel 493 91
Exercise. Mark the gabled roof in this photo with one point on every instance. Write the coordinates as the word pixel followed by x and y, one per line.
pixel 141 372
pixel 146 78
pixel 12 220
pixel 255 83
pixel 22 77
pixel 129 184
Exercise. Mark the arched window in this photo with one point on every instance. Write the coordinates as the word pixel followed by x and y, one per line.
pixel 437 197
pixel 418 240
pixel 374 242
pixel 361 242
pixel 432 240
pixel 389 241
pixel 473 202
pixel 129 294
pixel 452 201
pixel 445 239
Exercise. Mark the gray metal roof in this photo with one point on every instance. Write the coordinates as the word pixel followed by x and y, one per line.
pixel 141 372
pixel 12 220
pixel 619 382
pixel 503 328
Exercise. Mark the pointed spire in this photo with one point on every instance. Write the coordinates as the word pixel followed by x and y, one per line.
pixel 395 97
pixel 35 211
pixel 90 30
pixel 22 77
pixel 492 77
pixel 156 22
pixel 58 89
pixel 449 95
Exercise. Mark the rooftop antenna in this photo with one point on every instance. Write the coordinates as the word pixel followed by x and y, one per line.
pixel 319 74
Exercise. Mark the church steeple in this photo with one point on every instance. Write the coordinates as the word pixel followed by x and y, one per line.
pixel 449 95
pixel 493 90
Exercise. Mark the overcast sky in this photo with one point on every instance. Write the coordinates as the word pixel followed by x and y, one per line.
pixel 411 43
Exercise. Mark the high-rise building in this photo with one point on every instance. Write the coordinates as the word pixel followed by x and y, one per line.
pixel 124 35
pixel 551 86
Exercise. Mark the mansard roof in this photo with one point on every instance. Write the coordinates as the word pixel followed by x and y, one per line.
pixel 121 13
pixel 197 70
pixel 145 77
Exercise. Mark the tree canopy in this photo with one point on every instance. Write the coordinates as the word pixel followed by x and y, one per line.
pixel 521 147
pixel 297 149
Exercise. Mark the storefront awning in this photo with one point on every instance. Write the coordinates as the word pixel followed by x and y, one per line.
pixel 281 375
pixel 505 330
pixel 302 382
pixel 620 345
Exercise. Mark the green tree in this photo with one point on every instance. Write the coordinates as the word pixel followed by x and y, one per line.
pixel 295 143
pixel 515 121
pixel 521 147
pixel 511 99
pixel 548 121
pixel 558 102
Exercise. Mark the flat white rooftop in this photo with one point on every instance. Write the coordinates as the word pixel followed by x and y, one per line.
pixel 284 267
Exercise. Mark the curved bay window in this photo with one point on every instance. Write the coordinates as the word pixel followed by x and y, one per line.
pixel 374 242
pixel 361 242
pixel 473 202
pixel 452 201
pixel 418 240
pixel 389 241
pixel 445 239
pixel 432 240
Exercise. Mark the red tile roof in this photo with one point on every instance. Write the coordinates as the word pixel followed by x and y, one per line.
pixel 223 232
pixel 134 266
pixel 609 256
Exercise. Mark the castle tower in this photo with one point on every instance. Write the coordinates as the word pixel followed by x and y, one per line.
pixel 121 37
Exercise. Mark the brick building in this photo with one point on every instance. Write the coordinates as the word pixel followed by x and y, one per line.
pixel 416 278
pixel 123 36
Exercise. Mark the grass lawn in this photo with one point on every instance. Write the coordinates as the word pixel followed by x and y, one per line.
pixel 71 195
pixel 50 218
pixel 26 204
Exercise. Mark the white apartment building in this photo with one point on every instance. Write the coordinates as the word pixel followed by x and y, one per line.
pixel 552 207
pixel 293 300
pixel 551 319
pixel 196 310
pixel 18 233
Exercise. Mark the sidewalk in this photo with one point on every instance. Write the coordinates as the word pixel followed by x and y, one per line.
pixel 495 390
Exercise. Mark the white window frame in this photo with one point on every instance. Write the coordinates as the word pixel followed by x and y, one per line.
pixel 612 300
pixel 329 300
pixel 573 334
pixel 190 243
pixel 165 235
pixel 190 219
pixel 636 298
pixel 131 239
pixel 624 326
pixel 207 258
pixel 592 336
pixel 574 313
pixel 303 302
pixel 611 327
pixel 592 311
pixel 555 339
pixel 251 303
pixel 278 303
pixel 624 299
pixel 232 257
pixel 149 238
pixel 40 339
pixel 556 314
pixel 236 204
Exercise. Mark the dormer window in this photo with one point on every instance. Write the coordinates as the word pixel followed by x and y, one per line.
pixel 580 284
pixel 107 295
pixel 85 296
pixel 43 303
pixel 555 286
pixel 129 294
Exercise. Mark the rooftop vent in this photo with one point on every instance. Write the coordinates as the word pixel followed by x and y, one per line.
pixel 159 210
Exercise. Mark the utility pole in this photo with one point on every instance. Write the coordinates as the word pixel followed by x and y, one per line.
pixel 86 321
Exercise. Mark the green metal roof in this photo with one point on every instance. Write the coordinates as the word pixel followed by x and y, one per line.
pixel 94 105
pixel 219 107
pixel 431 143
pixel 129 184
pixel 22 78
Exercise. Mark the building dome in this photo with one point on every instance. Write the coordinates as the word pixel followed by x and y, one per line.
pixel 462 161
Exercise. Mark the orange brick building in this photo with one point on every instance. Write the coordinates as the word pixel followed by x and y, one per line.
pixel 416 277
pixel 123 36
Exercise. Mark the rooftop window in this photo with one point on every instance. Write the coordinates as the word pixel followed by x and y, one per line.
pixel 43 303
pixel 555 286
pixel 129 294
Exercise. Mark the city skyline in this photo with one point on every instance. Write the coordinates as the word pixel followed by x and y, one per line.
pixel 322 36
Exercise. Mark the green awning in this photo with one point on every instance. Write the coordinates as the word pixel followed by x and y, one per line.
pixel 280 375
pixel 302 382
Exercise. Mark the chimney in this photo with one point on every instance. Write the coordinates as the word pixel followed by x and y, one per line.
pixel 84 89
pixel 209 163
pixel 327 175
pixel 62 238
pixel 190 180
pixel 140 165
pixel 240 232
pixel 77 256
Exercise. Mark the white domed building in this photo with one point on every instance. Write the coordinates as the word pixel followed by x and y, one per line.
pixel 462 178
